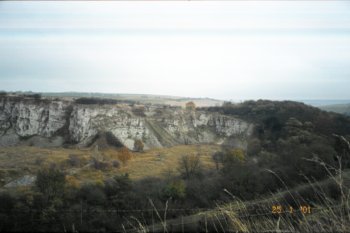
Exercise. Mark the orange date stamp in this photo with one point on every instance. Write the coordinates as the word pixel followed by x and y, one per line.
pixel 279 209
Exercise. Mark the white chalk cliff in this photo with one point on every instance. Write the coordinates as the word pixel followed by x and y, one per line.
pixel 55 122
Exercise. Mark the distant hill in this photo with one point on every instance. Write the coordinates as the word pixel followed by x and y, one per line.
pixel 275 114
pixel 324 102
pixel 338 108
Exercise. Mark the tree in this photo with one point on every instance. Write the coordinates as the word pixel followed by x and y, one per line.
pixel 218 158
pixel 124 155
pixel 50 182
pixel 138 145
pixel 190 106
pixel 190 165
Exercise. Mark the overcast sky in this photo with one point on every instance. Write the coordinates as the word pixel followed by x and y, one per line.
pixel 224 50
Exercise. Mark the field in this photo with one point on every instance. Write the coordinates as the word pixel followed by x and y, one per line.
pixel 16 162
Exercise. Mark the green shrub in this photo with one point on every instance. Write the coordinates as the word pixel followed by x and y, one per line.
pixel 175 190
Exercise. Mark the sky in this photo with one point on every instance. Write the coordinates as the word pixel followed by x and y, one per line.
pixel 225 50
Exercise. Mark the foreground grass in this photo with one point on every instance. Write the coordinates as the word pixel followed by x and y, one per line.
pixel 319 206
pixel 325 215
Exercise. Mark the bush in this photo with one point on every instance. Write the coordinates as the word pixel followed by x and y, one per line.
pixel 100 165
pixel 74 160
pixel 124 155
pixel 190 106
pixel 138 145
pixel 116 164
pixel 175 190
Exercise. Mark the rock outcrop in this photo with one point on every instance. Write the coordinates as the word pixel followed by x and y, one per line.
pixel 22 181
pixel 54 122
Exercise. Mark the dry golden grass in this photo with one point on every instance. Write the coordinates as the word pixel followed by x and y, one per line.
pixel 21 160
pixel 18 161
pixel 157 162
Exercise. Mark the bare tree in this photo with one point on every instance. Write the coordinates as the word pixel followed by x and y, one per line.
pixel 190 165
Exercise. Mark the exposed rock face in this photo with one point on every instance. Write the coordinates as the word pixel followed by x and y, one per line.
pixel 25 117
pixel 52 120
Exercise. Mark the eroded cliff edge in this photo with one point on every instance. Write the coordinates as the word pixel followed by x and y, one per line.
pixel 54 122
